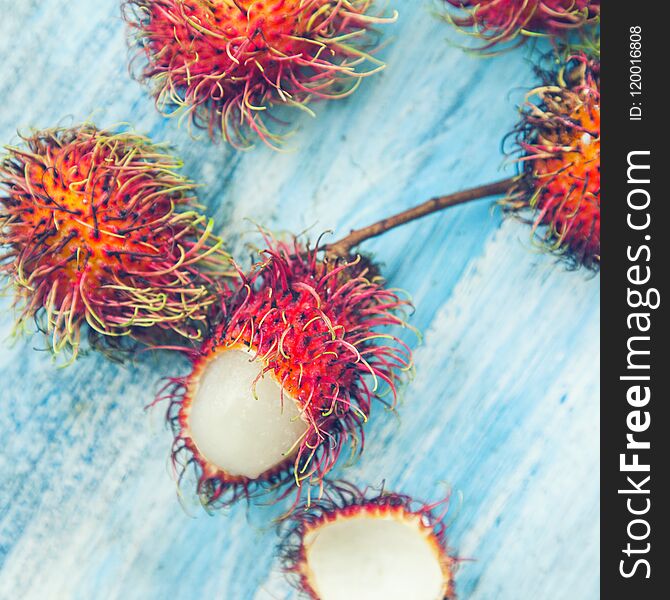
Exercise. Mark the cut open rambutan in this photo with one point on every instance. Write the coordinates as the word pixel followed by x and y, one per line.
pixel 376 546
pixel 506 23
pixel 287 377
pixel 96 229
pixel 228 63
pixel 559 142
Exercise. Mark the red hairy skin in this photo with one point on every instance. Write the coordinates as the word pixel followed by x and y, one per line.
pixel 508 23
pixel 342 500
pixel 95 229
pixel 559 140
pixel 228 63
pixel 318 329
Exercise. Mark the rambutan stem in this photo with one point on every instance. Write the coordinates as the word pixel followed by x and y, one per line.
pixel 343 247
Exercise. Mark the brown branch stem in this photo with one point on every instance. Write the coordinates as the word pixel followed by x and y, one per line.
pixel 343 247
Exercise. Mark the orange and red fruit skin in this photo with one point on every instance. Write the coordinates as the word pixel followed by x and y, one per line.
pixel 97 230
pixel 229 63
pixel 559 142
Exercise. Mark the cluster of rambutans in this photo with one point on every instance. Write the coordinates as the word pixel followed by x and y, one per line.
pixel 100 232
pixel 99 229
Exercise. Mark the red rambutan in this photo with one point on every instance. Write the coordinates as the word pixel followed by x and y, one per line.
pixel 92 233
pixel 559 139
pixel 228 63
pixel 497 22
pixel 377 546
pixel 287 377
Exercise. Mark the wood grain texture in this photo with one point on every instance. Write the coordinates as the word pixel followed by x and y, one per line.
pixel 503 409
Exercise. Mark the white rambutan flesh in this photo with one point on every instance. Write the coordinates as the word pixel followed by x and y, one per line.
pixel 239 420
pixel 373 557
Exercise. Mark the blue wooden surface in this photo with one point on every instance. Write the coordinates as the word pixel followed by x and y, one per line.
pixel 504 406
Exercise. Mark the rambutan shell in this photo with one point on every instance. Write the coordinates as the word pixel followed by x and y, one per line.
pixel 559 143
pixel 98 229
pixel 230 64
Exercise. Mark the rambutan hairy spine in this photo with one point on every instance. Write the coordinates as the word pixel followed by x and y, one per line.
pixel 97 228
pixel 373 544
pixel 316 330
pixel 228 65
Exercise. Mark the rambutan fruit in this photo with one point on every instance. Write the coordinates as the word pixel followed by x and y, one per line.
pixel 96 229
pixel 229 63
pixel 287 377
pixel 510 22
pixel 376 546
pixel 559 142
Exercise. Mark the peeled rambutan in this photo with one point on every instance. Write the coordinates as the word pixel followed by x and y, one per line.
pixel 372 545
pixel 559 142
pixel 228 63
pixel 287 377
pixel 501 22
pixel 96 229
